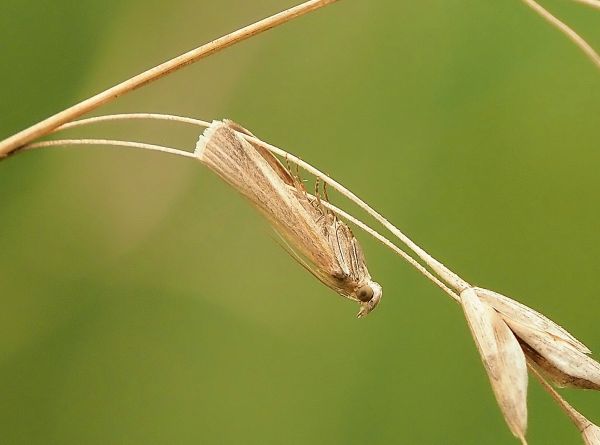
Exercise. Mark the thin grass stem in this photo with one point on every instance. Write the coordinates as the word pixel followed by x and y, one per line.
pixel 130 116
pixel 566 30
pixel 592 3
pixel 129 144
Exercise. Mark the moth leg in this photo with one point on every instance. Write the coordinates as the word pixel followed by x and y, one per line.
pixel 297 171
pixel 287 164
pixel 319 194
pixel 295 176
pixel 325 191
pixel 316 201
pixel 326 196
pixel 300 180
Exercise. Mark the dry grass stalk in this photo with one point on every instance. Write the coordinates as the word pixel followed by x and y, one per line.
pixel 566 30
pixel 107 142
pixel 46 126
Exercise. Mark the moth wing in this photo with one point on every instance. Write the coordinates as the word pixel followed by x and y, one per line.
pixel 271 159
pixel 307 264
pixel 281 197
pixel 348 252
pixel 361 262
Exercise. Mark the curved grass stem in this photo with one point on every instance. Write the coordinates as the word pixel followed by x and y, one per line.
pixel 131 116
pixel 108 142
pixel 132 144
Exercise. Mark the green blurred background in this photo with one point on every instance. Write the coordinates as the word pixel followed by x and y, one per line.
pixel 144 302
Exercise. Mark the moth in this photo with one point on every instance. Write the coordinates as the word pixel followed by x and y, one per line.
pixel 313 235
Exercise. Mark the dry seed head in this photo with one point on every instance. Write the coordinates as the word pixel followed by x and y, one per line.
pixel 503 359
pixel 550 348
pixel 313 235
pixel 507 335
pixel 560 363
pixel 513 310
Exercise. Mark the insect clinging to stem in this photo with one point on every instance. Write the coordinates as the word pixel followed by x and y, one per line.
pixel 313 235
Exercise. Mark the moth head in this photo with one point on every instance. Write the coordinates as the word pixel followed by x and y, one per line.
pixel 369 295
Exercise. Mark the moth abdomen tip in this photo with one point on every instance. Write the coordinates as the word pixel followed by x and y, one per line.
pixel 205 137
